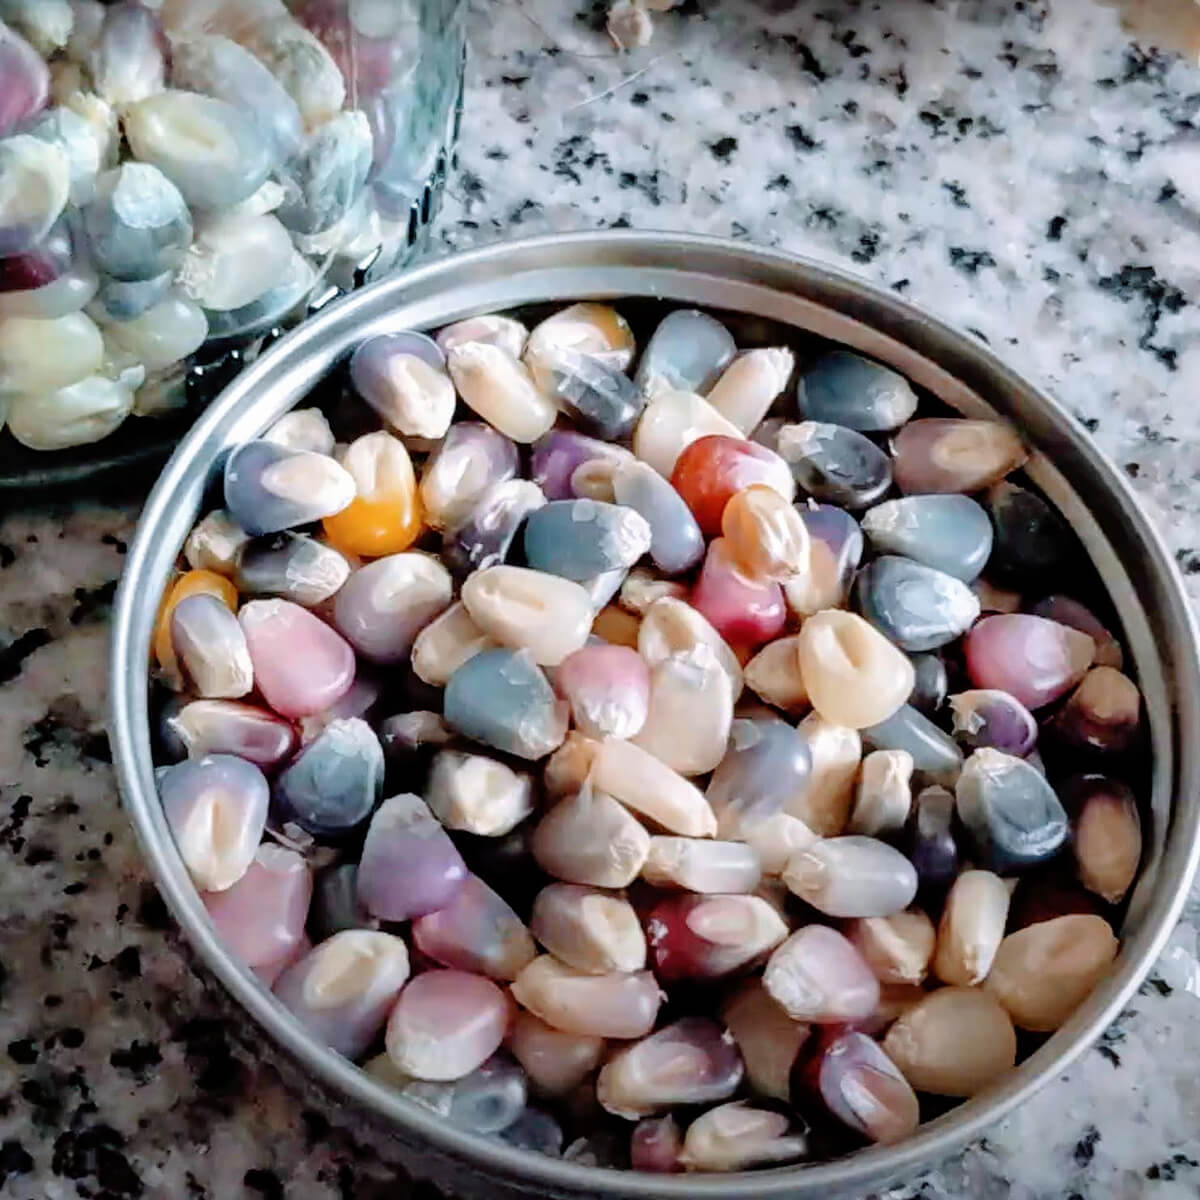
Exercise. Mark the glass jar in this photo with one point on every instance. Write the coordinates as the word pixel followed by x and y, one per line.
pixel 182 179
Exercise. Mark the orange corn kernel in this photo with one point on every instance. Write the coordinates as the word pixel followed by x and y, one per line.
pixel 385 516
pixel 617 626
pixel 190 583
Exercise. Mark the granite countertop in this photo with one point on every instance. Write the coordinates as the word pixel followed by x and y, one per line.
pixel 1024 169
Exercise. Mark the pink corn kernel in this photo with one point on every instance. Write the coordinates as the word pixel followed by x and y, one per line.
pixel 445 1024
pixel 261 918
pixel 1031 658
pixel 745 612
pixel 301 666
pixel 608 689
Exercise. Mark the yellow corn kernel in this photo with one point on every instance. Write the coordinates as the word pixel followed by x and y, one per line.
pixel 385 516
pixel 190 583
pixel 617 626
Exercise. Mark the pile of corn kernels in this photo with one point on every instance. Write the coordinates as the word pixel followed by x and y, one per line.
pixel 691 769
pixel 183 173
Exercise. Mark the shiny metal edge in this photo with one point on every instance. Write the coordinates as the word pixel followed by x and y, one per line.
pixel 1133 562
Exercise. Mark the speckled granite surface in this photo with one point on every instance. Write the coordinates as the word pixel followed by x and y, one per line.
pixel 1021 168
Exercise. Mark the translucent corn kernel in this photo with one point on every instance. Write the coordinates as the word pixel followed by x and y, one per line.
pixel 1067 611
pixel 1031 542
pixel 215 543
pixel 863 1087
pixel 671 422
pixel 949 532
pixel 127 61
pixel 836 751
pixel 848 390
pixel 501 390
pixel 608 689
pixel 735 1137
pixel 689 713
pixel 447 642
pixel 916 607
pixel 343 990
pixel 615 1005
pixel 988 717
pixel 948 454
pixel 854 675
pixel 637 779
pixel 211 647
pixel 931 845
pixel 1041 974
pixel 478 932
pixel 671 626
pixel 191 583
pixel 710 937
pixel 580 539
pixel 934 753
pixel 1101 715
pixel 773 675
pixel 301 665
pixel 409 865
pixel 502 699
pixel 484 539
pixel 556 1062
pixel 692 1061
pixel 1106 835
pixel 225 727
pixel 767 537
pixel 477 794
pixel 776 839
pixel 835 465
pixel 562 452
pixel 971 928
pixel 1009 810
pixel 745 612
pixel 710 471
pixel 292 567
pixel 261 917
pixel 590 839
pixel 302 429
pixel 471 459
pixel 898 947
pixel 404 380
pixel 599 397
pixel 385 515
pixel 383 606
pixel 504 332
pixel 588 929
pixel 835 549
pixel 592 329
pixel 687 352
pixel 956 1042
pixel 545 614
pixel 767 1037
pixel 216 807
pixel 818 976
pixel 700 865
pixel 749 385
pixel 269 488
pixel 766 765
pixel 852 876
pixel 332 786
pixel 655 1145
pixel 884 794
